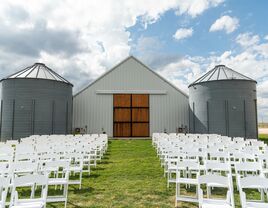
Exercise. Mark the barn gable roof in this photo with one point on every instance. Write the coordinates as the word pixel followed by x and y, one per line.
pixel 138 61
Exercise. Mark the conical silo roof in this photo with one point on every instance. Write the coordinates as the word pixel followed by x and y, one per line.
pixel 38 71
pixel 221 72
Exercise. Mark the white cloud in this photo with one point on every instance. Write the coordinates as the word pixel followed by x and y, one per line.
pixel 99 27
pixel 182 72
pixel 247 39
pixel 266 37
pixel 251 61
pixel 227 23
pixel 183 33
pixel 196 7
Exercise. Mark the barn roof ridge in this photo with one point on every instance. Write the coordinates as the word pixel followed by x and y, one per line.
pixel 123 61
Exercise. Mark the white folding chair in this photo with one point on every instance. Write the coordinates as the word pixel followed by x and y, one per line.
pixel 60 177
pixel 253 182
pixel 34 181
pixel 216 181
pixel 76 166
pixel 172 160
pixel 187 172
pixel 247 169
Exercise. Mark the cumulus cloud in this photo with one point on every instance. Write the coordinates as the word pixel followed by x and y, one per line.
pixel 226 23
pixel 183 33
pixel 251 61
pixel 247 39
pixel 85 38
pixel 196 7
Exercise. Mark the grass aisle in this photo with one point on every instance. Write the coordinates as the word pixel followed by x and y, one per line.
pixel 129 176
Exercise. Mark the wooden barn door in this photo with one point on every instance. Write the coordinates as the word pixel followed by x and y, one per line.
pixel 131 115
pixel 140 115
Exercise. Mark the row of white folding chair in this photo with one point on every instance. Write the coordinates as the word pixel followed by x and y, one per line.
pixel 34 164
pixel 242 170
pixel 194 164
pixel 60 171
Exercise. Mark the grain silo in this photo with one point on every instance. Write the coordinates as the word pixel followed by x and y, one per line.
pixel 223 101
pixel 35 100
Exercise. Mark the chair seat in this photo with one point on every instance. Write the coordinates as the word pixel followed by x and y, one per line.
pixel 33 204
pixel 214 203
pixel 215 185
pixel 75 168
pixel 187 181
pixel 57 181
pixel 257 205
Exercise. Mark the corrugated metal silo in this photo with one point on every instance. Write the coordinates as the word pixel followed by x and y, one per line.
pixel 35 100
pixel 223 101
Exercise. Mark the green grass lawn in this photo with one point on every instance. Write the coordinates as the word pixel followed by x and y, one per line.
pixel 129 176
pixel 264 137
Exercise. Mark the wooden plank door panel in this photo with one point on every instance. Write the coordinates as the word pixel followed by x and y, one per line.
pixel 140 129
pixel 140 115
pixel 122 100
pixel 122 129
pixel 140 100
pixel 122 115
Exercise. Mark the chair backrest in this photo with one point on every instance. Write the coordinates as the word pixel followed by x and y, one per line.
pixel 219 156
pixel 7 150
pixel 23 167
pixel 246 167
pixel 56 165
pixel 6 158
pixel 253 182
pixel 215 166
pixel 30 180
pixel 221 181
pixel 4 169
pixel 188 165
pixel 25 157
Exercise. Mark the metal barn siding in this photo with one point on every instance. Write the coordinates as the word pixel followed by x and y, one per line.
pixel 93 106
pixel 35 106
pixel 223 104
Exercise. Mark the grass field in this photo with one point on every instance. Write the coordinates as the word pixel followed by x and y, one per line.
pixel 129 176
pixel 264 137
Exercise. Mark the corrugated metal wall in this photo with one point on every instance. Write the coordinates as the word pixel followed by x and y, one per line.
pixel 224 107
pixel 35 106
pixel 94 110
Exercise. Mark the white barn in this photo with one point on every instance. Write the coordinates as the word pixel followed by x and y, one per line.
pixel 130 100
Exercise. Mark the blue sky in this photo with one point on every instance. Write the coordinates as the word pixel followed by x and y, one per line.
pixel 180 39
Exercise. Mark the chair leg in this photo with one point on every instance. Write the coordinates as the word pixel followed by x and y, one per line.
pixel 81 174
pixel 65 194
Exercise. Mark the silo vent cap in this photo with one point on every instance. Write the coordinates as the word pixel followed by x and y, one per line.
pixel 39 63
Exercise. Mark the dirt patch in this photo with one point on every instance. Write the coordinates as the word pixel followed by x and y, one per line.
pixel 263 130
